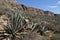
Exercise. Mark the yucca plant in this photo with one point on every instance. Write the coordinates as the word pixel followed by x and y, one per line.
pixel 16 24
pixel 41 28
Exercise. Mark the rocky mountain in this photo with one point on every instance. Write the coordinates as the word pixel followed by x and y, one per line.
pixel 33 15
pixel 14 5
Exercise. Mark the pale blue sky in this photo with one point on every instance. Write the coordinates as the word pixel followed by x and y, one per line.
pixel 51 5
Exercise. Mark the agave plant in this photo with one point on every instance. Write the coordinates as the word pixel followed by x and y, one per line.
pixel 16 24
pixel 41 28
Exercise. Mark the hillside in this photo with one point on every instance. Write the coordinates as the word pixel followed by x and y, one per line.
pixel 33 15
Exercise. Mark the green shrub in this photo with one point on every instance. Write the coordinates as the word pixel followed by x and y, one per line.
pixel 40 27
pixel 16 24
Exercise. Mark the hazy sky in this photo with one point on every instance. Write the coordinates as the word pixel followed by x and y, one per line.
pixel 51 5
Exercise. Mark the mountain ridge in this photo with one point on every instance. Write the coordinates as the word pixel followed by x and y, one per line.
pixel 13 4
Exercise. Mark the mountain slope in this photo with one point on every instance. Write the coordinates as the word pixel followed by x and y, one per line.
pixel 33 15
